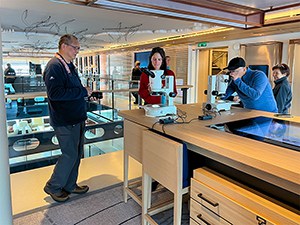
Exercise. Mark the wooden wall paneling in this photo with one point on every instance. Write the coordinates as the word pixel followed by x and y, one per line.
pixel 203 72
pixel 179 61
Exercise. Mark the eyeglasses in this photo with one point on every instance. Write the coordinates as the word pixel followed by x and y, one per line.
pixel 76 48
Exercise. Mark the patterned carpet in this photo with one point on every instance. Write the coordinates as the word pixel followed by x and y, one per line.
pixel 103 207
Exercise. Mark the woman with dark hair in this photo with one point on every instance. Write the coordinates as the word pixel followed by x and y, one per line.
pixel 282 90
pixel 157 61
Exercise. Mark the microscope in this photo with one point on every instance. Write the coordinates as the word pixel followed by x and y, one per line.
pixel 217 85
pixel 167 94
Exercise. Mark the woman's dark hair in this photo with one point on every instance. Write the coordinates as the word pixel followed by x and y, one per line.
pixel 283 68
pixel 162 54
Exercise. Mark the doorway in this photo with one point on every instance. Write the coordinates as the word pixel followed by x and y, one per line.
pixel 209 62
pixel 294 78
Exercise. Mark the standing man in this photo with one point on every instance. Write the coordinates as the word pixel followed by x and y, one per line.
pixel 135 76
pixel 67 110
pixel 252 86
pixel 168 62
pixel 10 74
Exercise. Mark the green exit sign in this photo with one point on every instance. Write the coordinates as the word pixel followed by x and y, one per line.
pixel 202 44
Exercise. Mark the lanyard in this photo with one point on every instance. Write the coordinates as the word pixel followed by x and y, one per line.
pixel 61 59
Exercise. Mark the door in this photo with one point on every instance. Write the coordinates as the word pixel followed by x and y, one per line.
pixel 210 62
pixel 295 76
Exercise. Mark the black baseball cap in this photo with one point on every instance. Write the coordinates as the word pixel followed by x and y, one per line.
pixel 236 63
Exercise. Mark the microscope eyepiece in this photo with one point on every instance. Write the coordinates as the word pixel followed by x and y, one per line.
pixel 172 94
pixel 148 72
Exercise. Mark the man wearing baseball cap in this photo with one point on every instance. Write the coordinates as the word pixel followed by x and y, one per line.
pixel 252 86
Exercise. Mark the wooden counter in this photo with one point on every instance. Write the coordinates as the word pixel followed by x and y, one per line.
pixel 277 165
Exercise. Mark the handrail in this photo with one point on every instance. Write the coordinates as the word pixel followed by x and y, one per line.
pixel 28 95
pixel 103 77
pixel 43 93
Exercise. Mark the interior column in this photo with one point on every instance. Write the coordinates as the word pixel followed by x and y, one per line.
pixel 5 196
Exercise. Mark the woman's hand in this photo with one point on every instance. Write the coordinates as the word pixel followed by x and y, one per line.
pixel 149 88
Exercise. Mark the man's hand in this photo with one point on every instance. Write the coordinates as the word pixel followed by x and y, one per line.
pixel 96 95
pixel 238 73
pixel 236 98
pixel 89 90
pixel 235 76
pixel 93 95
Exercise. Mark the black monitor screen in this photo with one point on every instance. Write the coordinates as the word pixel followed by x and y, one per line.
pixel 264 68
pixel 31 67
pixel 274 131
pixel 35 68
pixel 38 69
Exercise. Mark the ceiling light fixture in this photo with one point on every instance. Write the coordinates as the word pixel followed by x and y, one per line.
pixel 282 15
pixel 196 34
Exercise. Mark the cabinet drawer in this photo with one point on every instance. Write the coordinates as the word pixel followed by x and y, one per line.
pixel 193 222
pixel 204 216
pixel 236 203
pixel 221 205
pixel 133 139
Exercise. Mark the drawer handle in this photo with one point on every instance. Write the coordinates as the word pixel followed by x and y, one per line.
pixel 214 204
pixel 203 220
pixel 261 221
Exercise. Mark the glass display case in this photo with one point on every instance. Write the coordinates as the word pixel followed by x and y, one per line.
pixel 32 140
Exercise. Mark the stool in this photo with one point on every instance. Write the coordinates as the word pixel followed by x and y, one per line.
pixel 162 161
pixel 132 148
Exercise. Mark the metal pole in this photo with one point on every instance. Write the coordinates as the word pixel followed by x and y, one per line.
pixel 113 94
pixel 184 95
pixel 5 196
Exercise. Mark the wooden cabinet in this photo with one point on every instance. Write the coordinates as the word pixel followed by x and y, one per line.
pixel 203 215
pixel 220 200
pixel 192 222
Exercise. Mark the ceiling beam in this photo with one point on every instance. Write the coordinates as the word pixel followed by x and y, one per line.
pixel 216 12
pixel 211 11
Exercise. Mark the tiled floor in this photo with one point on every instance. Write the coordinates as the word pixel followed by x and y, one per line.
pixel 97 172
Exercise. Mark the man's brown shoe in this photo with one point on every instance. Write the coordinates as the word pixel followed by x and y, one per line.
pixel 58 197
pixel 80 189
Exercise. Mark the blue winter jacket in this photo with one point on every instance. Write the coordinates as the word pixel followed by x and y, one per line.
pixel 66 95
pixel 254 90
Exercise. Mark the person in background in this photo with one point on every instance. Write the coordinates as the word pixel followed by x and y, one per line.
pixel 157 61
pixel 67 111
pixel 282 90
pixel 10 74
pixel 252 86
pixel 135 76
pixel 168 61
